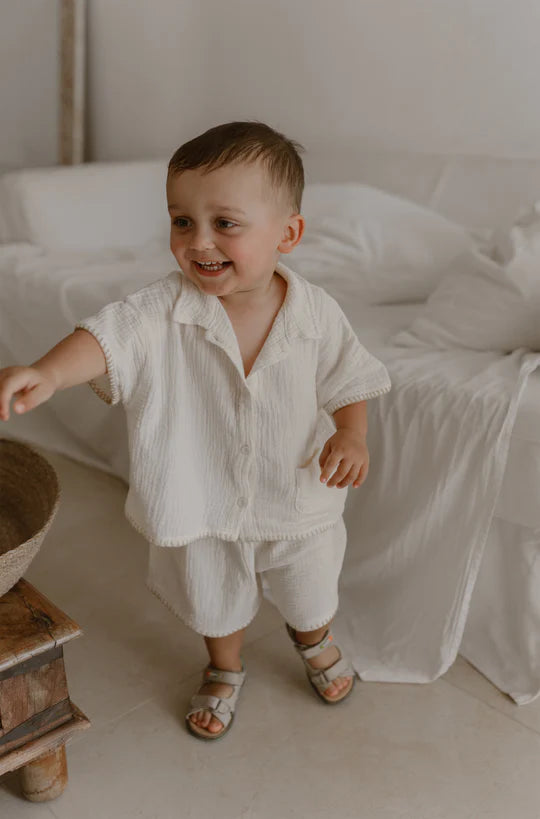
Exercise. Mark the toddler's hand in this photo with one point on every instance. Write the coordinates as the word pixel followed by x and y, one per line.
pixel 27 385
pixel 345 452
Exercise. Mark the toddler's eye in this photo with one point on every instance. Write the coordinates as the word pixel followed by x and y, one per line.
pixel 180 219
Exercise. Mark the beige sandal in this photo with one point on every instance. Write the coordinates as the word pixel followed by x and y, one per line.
pixel 220 707
pixel 320 678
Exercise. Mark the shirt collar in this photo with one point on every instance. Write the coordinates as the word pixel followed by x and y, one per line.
pixel 195 307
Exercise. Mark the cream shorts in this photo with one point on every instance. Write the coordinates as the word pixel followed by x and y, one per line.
pixel 216 586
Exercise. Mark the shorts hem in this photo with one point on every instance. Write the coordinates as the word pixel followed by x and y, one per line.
pixel 320 624
pixel 189 621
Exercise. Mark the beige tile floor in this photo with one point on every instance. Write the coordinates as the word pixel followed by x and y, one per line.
pixel 454 749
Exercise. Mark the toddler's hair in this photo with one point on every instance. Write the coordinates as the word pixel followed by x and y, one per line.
pixel 245 142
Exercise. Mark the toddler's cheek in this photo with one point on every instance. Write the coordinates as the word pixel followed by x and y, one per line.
pixel 175 249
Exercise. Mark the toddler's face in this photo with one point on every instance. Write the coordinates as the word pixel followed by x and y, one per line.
pixel 230 215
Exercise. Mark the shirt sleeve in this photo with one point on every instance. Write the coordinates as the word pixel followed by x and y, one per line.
pixel 346 371
pixel 118 330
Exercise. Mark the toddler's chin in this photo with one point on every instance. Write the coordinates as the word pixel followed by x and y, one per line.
pixel 213 287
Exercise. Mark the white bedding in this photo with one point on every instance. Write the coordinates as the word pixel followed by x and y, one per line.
pixel 418 531
pixel 440 442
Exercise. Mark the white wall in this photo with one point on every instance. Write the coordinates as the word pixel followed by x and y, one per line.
pixel 458 76
pixel 28 82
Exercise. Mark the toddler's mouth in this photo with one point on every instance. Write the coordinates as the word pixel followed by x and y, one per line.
pixel 213 270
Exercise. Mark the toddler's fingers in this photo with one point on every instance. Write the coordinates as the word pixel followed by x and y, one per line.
pixel 5 406
pixel 335 470
pixel 30 398
pixel 345 481
pixel 361 477
pixel 10 385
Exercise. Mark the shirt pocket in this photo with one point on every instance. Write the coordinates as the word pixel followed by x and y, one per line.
pixel 310 494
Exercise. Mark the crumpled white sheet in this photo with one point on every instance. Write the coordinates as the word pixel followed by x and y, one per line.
pixel 417 527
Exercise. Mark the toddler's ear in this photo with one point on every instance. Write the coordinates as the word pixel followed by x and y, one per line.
pixel 294 230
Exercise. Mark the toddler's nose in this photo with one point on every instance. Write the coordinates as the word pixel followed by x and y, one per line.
pixel 201 240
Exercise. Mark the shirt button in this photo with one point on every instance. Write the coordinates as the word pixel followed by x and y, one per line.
pixel 244 449
pixel 242 501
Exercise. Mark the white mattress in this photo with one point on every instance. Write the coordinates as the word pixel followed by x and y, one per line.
pixel 43 296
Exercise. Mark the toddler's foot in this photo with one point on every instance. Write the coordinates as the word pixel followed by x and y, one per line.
pixel 330 674
pixel 329 656
pixel 205 719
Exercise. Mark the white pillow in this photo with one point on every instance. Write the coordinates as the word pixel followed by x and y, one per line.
pixel 362 242
pixel 85 207
pixel 481 304
pixel 519 245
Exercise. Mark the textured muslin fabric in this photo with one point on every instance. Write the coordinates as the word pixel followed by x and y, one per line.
pixel 215 587
pixel 212 451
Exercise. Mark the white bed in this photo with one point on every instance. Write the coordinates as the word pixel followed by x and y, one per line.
pixel 406 608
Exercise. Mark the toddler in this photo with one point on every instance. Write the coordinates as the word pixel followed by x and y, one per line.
pixel 245 391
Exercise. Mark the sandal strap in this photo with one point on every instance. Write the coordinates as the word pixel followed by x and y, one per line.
pixel 311 651
pixel 217 706
pixel 212 674
pixel 322 677
pixel 221 707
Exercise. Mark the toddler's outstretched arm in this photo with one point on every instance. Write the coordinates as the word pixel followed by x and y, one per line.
pixel 75 360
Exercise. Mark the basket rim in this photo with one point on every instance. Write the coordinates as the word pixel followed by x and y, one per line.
pixel 54 486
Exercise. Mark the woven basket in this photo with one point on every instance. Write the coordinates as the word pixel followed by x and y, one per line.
pixel 29 499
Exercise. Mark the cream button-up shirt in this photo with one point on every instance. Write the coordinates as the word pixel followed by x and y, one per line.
pixel 216 453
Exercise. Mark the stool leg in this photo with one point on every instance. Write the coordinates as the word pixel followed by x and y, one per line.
pixel 45 777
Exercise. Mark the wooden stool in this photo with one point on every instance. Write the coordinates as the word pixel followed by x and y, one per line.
pixel 37 717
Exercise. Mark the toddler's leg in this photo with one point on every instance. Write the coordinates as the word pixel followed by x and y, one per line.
pixel 306 592
pixel 224 653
